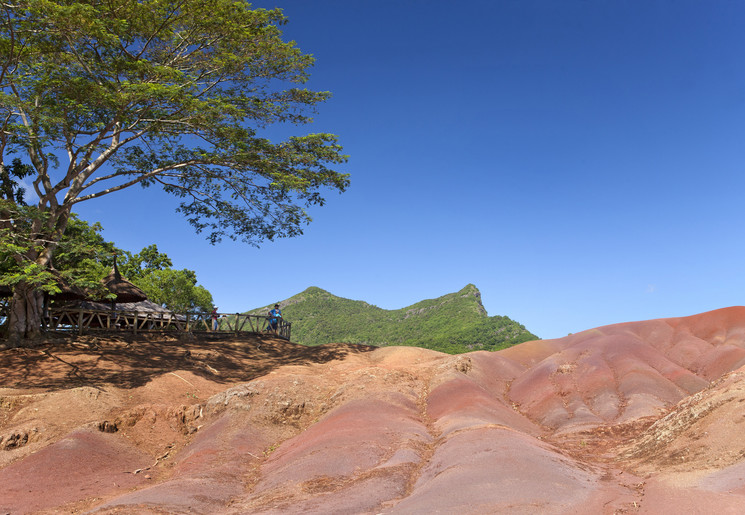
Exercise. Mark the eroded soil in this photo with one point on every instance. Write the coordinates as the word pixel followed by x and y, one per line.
pixel 641 417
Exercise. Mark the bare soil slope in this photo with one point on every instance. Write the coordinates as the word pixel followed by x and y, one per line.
pixel 643 417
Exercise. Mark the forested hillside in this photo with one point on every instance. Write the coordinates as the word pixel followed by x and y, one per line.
pixel 454 323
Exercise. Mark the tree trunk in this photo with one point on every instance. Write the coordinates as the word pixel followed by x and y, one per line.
pixel 27 305
pixel 25 315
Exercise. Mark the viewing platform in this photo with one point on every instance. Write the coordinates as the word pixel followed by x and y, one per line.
pixel 86 321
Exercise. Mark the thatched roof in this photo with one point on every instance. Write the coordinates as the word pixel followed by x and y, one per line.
pixel 67 291
pixel 124 290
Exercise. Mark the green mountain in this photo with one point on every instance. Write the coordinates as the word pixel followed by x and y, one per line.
pixel 453 323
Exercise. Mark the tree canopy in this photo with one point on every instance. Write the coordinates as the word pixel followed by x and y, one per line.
pixel 101 96
pixel 177 290
pixel 169 93
pixel 83 258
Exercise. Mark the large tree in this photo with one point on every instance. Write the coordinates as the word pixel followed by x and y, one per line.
pixel 102 95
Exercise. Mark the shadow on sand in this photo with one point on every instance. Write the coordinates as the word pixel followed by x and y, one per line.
pixel 129 362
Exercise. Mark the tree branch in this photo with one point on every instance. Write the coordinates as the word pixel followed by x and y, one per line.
pixel 141 177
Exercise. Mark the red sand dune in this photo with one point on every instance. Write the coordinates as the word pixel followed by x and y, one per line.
pixel 643 417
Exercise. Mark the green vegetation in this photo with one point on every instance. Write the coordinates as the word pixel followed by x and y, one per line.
pixel 176 290
pixel 453 323
pixel 103 96
pixel 83 257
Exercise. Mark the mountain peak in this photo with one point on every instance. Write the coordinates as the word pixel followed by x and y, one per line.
pixel 470 288
pixel 314 290
pixel 453 323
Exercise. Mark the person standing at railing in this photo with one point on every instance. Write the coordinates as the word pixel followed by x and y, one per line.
pixel 214 319
pixel 275 315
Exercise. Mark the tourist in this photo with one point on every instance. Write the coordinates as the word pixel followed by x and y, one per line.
pixel 275 316
pixel 214 319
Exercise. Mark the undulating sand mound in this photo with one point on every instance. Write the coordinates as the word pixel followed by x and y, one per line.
pixel 641 417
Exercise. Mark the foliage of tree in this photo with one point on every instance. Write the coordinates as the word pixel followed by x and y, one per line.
pixel 16 244
pixel 135 266
pixel 176 290
pixel 10 185
pixel 102 96
pixel 453 323
pixel 15 216
pixel 84 257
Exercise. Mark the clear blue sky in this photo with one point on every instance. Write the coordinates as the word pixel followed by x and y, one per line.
pixel 580 162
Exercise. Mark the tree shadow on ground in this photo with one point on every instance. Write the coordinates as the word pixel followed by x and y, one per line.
pixel 129 362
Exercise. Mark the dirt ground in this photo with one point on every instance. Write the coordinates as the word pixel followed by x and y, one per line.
pixel 148 390
pixel 643 417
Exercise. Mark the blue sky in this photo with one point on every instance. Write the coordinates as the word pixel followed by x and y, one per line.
pixel 580 162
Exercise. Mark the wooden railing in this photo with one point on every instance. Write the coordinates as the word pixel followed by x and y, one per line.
pixel 82 321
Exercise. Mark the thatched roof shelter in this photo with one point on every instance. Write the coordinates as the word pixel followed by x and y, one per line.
pixel 67 291
pixel 124 290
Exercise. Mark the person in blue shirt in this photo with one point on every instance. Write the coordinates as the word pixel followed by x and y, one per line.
pixel 275 316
